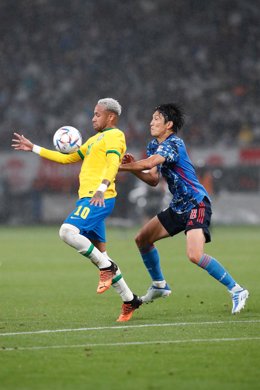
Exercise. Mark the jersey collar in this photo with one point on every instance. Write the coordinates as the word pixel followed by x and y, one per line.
pixel 108 128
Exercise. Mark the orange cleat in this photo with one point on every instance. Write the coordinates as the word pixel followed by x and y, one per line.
pixel 106 276
pixel 128 309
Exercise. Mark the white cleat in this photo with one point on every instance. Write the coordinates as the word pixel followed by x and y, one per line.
pixel 154 292
pixel 239 300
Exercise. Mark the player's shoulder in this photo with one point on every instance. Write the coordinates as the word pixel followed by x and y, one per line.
pixel 117 131
pixel 173 142
pixel 88 142
pixel 114 134
pixel 174 139
pixel 112 131
pixel 92 138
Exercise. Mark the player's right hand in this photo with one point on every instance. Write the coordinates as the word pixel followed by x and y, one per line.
pixel 19 142
pixel 98 199
pixel 128 157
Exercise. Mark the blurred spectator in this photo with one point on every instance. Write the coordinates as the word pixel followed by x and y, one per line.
pixel 57 58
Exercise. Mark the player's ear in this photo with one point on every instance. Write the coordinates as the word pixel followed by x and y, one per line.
pixel 112 116
pixel 169 125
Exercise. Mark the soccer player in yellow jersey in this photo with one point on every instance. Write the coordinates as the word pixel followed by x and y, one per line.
pixel 84 228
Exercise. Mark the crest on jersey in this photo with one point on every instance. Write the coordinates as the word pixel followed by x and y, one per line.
pixel 100 137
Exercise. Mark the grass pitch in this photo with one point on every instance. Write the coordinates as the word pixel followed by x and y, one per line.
pixel 57 333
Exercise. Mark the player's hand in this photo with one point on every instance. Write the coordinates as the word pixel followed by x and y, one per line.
pixel 98 199
pixel 128 157
pixel 19 142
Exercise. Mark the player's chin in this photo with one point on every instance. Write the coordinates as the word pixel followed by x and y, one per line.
pixel 96 127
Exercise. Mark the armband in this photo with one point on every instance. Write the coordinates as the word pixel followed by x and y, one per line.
pixel 36 149
pixel 102 187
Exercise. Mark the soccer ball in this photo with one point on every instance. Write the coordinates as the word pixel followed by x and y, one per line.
pixel 67 139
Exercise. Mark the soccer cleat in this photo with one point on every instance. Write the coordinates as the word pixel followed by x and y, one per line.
pixel 239 300
pixel 154 292
pixel 128 309
pixel 106 276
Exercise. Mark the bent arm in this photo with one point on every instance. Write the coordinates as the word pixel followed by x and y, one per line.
pixel 146 169
pixel 113 163
pixel 110 173
pixel 150 177
pixel 141 165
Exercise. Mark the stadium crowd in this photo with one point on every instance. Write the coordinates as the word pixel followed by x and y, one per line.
pixel 57 58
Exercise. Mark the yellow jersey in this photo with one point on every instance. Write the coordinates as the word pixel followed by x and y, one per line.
pixel 101 156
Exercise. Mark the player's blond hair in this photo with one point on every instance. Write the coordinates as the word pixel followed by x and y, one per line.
pixel 111 105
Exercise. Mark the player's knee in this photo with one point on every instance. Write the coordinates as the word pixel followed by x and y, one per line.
pixel 67 232
pixel 139 240
pixel 194 256
pixel 142 241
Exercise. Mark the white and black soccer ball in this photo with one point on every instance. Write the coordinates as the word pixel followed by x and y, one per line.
pixel 67 139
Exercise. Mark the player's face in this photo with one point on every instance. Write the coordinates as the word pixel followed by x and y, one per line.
pixel 101 118
pixel 158 126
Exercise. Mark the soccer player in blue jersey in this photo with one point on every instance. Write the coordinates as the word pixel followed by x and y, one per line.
pixel 189 209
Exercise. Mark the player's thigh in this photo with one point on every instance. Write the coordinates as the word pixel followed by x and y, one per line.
pixel 195 240
pixel 152 231
pixel 86 217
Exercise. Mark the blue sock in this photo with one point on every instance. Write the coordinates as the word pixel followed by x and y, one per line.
pixel 216 270
pixel 151 260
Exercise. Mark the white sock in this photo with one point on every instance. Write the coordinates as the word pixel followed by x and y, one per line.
pixel 70 234
pixel 120 285
pixel 236 288
pixel 159 283
pixel 97 258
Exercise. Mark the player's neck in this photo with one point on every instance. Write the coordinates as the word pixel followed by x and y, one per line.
pixel 107 128
pixel 164 136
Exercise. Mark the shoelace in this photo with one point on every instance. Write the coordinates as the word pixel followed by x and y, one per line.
pixel 127 308
pixel 105 275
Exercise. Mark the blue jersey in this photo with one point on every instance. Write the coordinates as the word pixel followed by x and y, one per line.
pixel 179 173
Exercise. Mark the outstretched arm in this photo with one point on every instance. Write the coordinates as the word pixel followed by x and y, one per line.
pixel 19 142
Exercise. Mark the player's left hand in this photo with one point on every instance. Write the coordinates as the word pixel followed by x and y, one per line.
pixel 98 199
pixel 128 157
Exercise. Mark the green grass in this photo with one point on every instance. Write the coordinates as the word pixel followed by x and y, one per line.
pixel 189 340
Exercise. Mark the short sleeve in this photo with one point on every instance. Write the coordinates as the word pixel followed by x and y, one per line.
pixel 116 144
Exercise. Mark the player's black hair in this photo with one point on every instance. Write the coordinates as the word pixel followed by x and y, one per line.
pixel 172 112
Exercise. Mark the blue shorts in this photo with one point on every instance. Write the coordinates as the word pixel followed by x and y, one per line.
pixel 90 219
